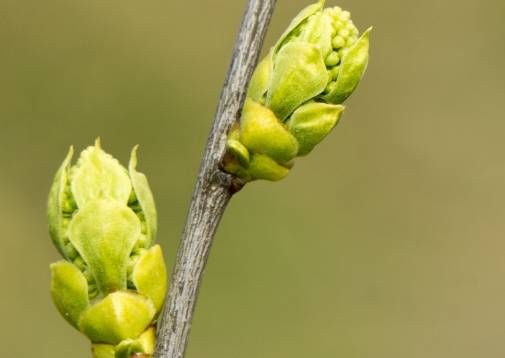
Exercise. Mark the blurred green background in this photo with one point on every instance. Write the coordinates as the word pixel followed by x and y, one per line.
pixel 388 241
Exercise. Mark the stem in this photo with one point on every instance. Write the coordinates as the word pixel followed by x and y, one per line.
pixel 213 188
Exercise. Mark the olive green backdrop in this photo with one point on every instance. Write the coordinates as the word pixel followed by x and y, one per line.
pixel 387 242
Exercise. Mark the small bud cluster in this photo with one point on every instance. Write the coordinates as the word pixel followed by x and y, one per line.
pixel 69 209
pixel 112 283
pixel 296 93
pixel 345 35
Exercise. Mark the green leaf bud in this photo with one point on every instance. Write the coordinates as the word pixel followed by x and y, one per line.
pixel 312 122
pixel 352 68
pixel 333 33
pixel 150 276
pixel 69 290
pixel 120 315
pixel 333 59
pixel 338 42
pixel 261 132
pixel 104 232
pixel 295 95
pixel 112 284
pixel 264 167
pixel 299 75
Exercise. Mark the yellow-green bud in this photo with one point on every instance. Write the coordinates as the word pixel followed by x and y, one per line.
pixel 294 73
pixel 296 92
pixel 112 283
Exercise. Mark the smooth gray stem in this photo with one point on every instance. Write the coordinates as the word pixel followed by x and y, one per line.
pixel 213 189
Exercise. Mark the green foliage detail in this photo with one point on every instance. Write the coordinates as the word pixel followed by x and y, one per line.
pixel 112 284
pixel 296 93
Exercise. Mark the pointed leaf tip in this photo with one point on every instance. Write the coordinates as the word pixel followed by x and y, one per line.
pixel 144 196
pixel 98 174
pixel 133 158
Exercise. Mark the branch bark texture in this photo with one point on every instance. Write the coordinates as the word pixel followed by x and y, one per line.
pixel 213 188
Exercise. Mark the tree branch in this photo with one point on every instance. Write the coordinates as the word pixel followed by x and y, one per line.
pixel 213 189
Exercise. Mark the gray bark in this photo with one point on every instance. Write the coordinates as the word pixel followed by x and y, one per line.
pixel 213 188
